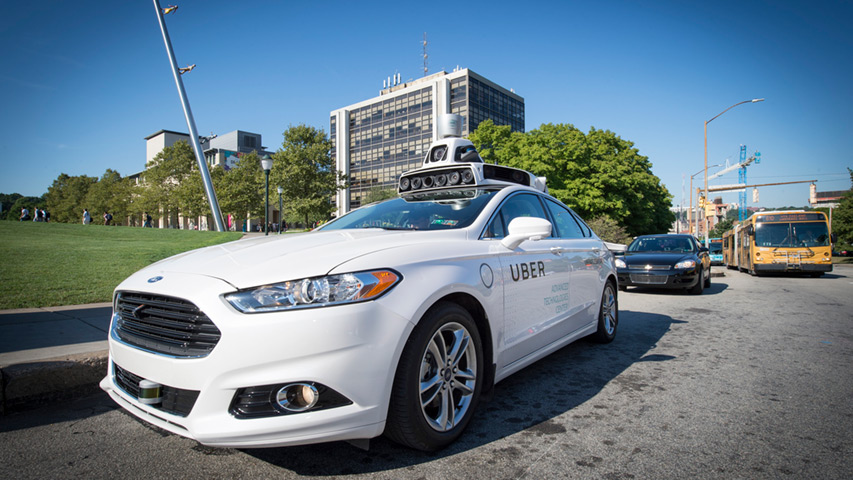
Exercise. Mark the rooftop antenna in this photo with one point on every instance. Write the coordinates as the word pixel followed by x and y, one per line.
pixel 426 68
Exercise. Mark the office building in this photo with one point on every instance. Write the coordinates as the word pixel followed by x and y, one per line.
pixel 219 150
pixel 376 140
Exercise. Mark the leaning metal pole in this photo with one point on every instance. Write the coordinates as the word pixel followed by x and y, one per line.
pixel 199 155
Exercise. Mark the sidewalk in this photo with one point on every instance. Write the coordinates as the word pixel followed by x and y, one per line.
pixel 51 353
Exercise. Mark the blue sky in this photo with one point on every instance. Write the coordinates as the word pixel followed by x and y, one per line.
pixel 82 84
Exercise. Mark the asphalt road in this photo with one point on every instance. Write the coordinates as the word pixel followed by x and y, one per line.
pixel 753 379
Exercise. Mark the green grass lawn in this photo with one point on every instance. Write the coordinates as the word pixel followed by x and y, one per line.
pixel 48 264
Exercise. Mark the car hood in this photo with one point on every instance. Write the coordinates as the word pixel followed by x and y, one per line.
pixel 264 260
pixel 655 258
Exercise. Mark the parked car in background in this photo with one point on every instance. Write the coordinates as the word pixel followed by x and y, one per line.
pixel 665 261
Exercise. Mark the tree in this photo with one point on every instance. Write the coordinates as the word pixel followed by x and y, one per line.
pixel 240 190
pixel 109 194
pixel 842 219
pixel 6 202
pixel 597 173
pixel 490 139
pixel 722 227
pixel 608 230
pixel 304 168
pixel 66 198
pixel 30 203
pixel 163 177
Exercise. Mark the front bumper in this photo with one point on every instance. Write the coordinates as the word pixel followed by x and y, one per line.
pixel 791 268
pixel 352 349
pixel 657 278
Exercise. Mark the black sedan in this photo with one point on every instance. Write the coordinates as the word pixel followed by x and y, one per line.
pixel 665 261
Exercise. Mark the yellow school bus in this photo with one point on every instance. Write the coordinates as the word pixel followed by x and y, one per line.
pixel 784 242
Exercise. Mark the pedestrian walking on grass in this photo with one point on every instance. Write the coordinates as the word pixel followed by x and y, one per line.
pixel 87 219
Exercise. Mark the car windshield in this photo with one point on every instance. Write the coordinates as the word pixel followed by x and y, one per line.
pixel 442 210
pixel 661 244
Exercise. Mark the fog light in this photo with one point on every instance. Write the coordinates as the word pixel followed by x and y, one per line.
pixel 150 393
pixel 297 397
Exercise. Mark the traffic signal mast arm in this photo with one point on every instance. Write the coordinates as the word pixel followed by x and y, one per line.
pixel 738 186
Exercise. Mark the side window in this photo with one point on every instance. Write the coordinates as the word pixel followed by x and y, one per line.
pixel 524 205
pixel 564 222
pixel 587 232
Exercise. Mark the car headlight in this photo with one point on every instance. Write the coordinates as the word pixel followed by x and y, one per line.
pixel 686 264
pixel 620 263
pixel 315 292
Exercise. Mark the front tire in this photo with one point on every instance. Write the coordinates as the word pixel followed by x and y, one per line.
pixel 608 315
pixel 700 283
pixel 438 381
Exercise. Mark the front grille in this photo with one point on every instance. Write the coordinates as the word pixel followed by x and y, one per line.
pixel 164 325
pixel 648 279
pixel 175 400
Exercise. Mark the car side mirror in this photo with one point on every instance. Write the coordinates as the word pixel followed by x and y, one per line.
pixel 526 228
pixel 703 249
pixel 750 230
pixel 833 238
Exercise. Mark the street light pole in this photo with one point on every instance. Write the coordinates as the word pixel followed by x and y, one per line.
pixel 754 100
pixel 266 164
pixel 280 211
pixel 194 143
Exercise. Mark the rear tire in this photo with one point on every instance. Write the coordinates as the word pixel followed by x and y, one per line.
pixel 608 315
pixel 438 381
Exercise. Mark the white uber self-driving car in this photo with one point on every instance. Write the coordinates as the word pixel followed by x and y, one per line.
pixel 395 318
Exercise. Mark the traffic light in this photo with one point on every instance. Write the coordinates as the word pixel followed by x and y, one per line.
pixel 701 202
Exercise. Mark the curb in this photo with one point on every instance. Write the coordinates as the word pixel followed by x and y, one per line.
pixel 28 385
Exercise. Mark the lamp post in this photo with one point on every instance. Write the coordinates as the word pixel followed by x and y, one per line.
pixel 754 100
pixel 690 212
pixel 266 164
pixel 280 211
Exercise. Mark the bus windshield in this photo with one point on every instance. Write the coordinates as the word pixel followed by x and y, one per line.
pixel 812 234
pixel 716 246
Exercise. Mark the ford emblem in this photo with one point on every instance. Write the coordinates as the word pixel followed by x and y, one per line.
pixel 155 279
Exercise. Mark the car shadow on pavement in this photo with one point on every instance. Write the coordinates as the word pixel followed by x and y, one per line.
pixel 528 403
